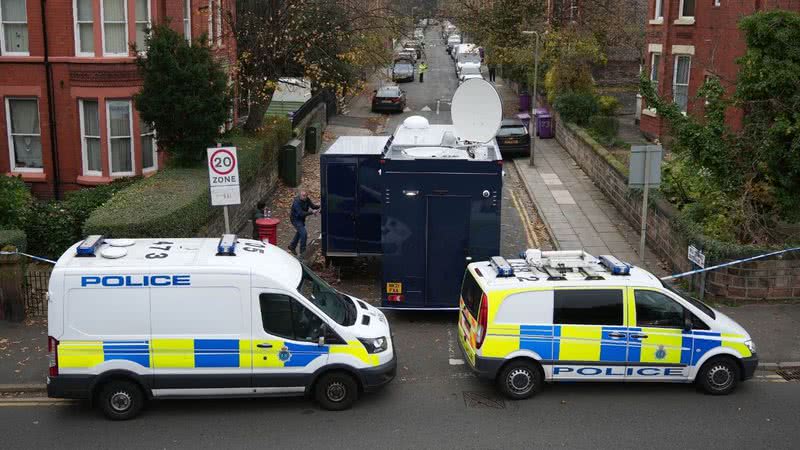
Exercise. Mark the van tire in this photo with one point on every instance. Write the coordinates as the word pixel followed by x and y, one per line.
pixel 520 379
pixel 336 391
pixel 719 376
pixel 120 399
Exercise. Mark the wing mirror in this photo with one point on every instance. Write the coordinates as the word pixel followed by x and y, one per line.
pixel 687 322
pixel 323 331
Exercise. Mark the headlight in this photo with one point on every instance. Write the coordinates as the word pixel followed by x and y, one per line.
pixel 375 345
pixel 750 346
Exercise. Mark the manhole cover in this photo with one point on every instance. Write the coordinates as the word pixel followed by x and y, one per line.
pixel 481 400
pixel 789 373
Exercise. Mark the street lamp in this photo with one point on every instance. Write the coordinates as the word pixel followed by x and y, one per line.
pixel 533 103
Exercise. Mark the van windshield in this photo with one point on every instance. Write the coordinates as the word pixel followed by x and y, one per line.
pixel 334 304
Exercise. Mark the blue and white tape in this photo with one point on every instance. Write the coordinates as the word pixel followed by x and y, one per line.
pixel 37 258
pixel 730 263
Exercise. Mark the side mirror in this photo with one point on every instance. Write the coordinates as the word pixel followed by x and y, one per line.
pixel 687 322
pixel 323 330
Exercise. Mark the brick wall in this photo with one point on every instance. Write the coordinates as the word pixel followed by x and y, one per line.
pixel 772 279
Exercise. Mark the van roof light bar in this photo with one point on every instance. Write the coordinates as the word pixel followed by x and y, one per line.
pixel 227 245
pixel 502 267
pixel 614 265
pixel 89 245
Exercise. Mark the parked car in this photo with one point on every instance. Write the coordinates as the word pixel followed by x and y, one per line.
pixel 464 78
pixel 416 53
pixel 403 70
pixel 410 55
pixel 513 137
pixel 389 98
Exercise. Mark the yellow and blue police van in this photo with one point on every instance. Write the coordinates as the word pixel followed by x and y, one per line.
pixel 130 320
pixel 568 316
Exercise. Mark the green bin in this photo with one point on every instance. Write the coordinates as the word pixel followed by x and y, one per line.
pixel 312 139
pixel 289 167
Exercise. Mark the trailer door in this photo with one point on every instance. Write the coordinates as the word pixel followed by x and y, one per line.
pixel 342 183
pixel 448 220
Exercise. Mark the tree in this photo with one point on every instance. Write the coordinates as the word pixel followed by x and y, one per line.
pixel 185 96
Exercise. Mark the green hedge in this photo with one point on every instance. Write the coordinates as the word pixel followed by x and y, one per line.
pixel 604 129
pixel 576 107
pixel 15 201
pixel 175 202
pixel 13 239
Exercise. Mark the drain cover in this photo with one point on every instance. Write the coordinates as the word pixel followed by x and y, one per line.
pixel 789 373
pixel 480 400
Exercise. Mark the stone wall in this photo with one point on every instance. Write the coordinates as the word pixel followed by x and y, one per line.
pixel 772 279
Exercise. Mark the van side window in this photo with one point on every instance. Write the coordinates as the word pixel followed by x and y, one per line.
pixel 526 308
pixel 276 315
pixel 306 324
pixel 588 307
pixel 654 309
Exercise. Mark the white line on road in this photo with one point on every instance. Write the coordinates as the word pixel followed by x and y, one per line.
pixel 426 108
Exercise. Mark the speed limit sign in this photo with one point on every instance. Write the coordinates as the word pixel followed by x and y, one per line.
pixel 223 176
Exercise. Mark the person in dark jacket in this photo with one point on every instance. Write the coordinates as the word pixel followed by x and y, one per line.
pixel 302 207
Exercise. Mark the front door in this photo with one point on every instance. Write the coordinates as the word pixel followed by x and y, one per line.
pixel 658 349
pixel 448 247
pixel 284 345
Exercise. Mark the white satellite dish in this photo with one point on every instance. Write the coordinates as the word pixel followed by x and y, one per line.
pixel 120 242
pixel 477 111
pixel 113 252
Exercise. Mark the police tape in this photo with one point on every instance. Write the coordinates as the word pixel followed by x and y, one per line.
pixel 730 263
pixel 37 258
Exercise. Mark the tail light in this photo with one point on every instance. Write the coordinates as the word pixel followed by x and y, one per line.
pixel 395 100
pixel 395 298
pixel 483 319
pixel 52 348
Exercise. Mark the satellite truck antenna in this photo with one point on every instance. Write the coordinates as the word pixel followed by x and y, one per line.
pixel 477 111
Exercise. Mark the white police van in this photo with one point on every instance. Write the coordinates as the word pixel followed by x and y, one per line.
pixel 131 320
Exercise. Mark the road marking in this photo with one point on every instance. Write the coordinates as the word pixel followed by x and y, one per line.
pixel 407 109
pixel 34 401
pixel 533 240
pixel 426 108
pixel 456 362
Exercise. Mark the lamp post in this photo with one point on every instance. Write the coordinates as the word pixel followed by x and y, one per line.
pixel 533 102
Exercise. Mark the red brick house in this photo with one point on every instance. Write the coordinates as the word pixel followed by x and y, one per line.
pixel 690 40
pixel 67 77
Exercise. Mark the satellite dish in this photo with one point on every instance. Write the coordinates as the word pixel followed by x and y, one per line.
pixel 113 252
pixel 476 111
pixel 120 242
pixel 416 123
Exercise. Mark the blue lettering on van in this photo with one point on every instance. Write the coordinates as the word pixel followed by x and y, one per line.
pixel 136 280
pixel 590 371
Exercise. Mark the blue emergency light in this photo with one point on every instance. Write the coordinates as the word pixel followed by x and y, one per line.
pixel 89 245
pixel 502 266
pixel 615 266
pixel 227 245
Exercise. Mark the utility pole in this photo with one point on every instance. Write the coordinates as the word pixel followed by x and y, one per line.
pixel 532 124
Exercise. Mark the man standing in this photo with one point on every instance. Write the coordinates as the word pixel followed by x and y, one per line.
pixel 492 72
pixel 422 69
pixel 302 207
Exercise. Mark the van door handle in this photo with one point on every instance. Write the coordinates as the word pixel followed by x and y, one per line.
pixel 616 335
pixel 264 345
pixel 639 336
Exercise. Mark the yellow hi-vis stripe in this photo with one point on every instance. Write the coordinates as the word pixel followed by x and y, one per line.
pixel 172 353
pixel 356 349
pixel 580 343
pixel 669 341
pixel 80 354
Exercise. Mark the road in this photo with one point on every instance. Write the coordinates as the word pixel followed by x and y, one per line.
pixel 435 402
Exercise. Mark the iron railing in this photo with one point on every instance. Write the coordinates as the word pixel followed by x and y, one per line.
pixel 34 293
pixel 324 96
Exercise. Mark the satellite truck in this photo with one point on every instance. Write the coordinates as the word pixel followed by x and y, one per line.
pixel 427 200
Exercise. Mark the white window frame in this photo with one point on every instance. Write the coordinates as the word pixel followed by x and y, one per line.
pixel 659 10
pixel 210 21
pixel 103 31
pixel 218 23
pixel 76 23
pixel 84 149
pixel 680 10
pixel 130 136
pixel 3 51
pixel 154 167
pixel 654 67
pixel 149 21
pixel 11 150
pixel 675 78
pixel 717 3
pixel 187 20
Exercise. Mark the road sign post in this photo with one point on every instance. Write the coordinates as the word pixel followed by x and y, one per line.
pixel 644 173
pixel 223 179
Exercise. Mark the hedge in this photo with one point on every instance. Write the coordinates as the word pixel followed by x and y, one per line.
pixel 175 202
pixel 13 239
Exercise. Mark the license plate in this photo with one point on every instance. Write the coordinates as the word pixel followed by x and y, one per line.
pixel 387 102
pixel 512 141
pixel 394 288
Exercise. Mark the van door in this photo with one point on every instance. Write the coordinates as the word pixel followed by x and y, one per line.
pixel 340 199
pixel 658 347
pixel 448 223
pixel 285 348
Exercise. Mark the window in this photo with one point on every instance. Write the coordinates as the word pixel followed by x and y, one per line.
pixel 24 134
pixel 90 137
pixel 13 27
pixel 471 293
pixel 654 309
pixel 687 8
pixel 118 114
pixel 588 307
pixel 680 85
pixel 115 27
pixel 717 2
pixel 526 308
pixel 142 23
pixel 326 298
pixel 84 27
pixel 218 22
pixel 659 9
pixel 285 317
pixel 210 21
pixel 655 62
pixel 187 19
pixel 148 140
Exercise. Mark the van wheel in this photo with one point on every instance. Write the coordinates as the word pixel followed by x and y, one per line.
pixel 719 376
pixel 520 380
pixel 121 400
pixel 336 391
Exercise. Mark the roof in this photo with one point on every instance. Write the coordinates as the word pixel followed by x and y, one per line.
pixel 528 275
pixel 265 261
pixel 358 145
pixel 511 123
pixel 391 90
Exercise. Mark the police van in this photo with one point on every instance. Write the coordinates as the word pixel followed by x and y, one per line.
pixel 132 320
pixel 568 316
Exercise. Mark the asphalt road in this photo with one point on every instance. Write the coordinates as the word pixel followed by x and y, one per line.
pixel 435 402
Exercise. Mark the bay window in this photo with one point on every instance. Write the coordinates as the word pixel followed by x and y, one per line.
pixel 120 143
pixel 115 27
pixel 680 84
pixel 90 137
pixel 148 139
pixel 655 61
pixel 142 22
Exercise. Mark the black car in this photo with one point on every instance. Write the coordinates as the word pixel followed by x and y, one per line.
pixel 403 70
pixel 513 137
pixel 389 98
